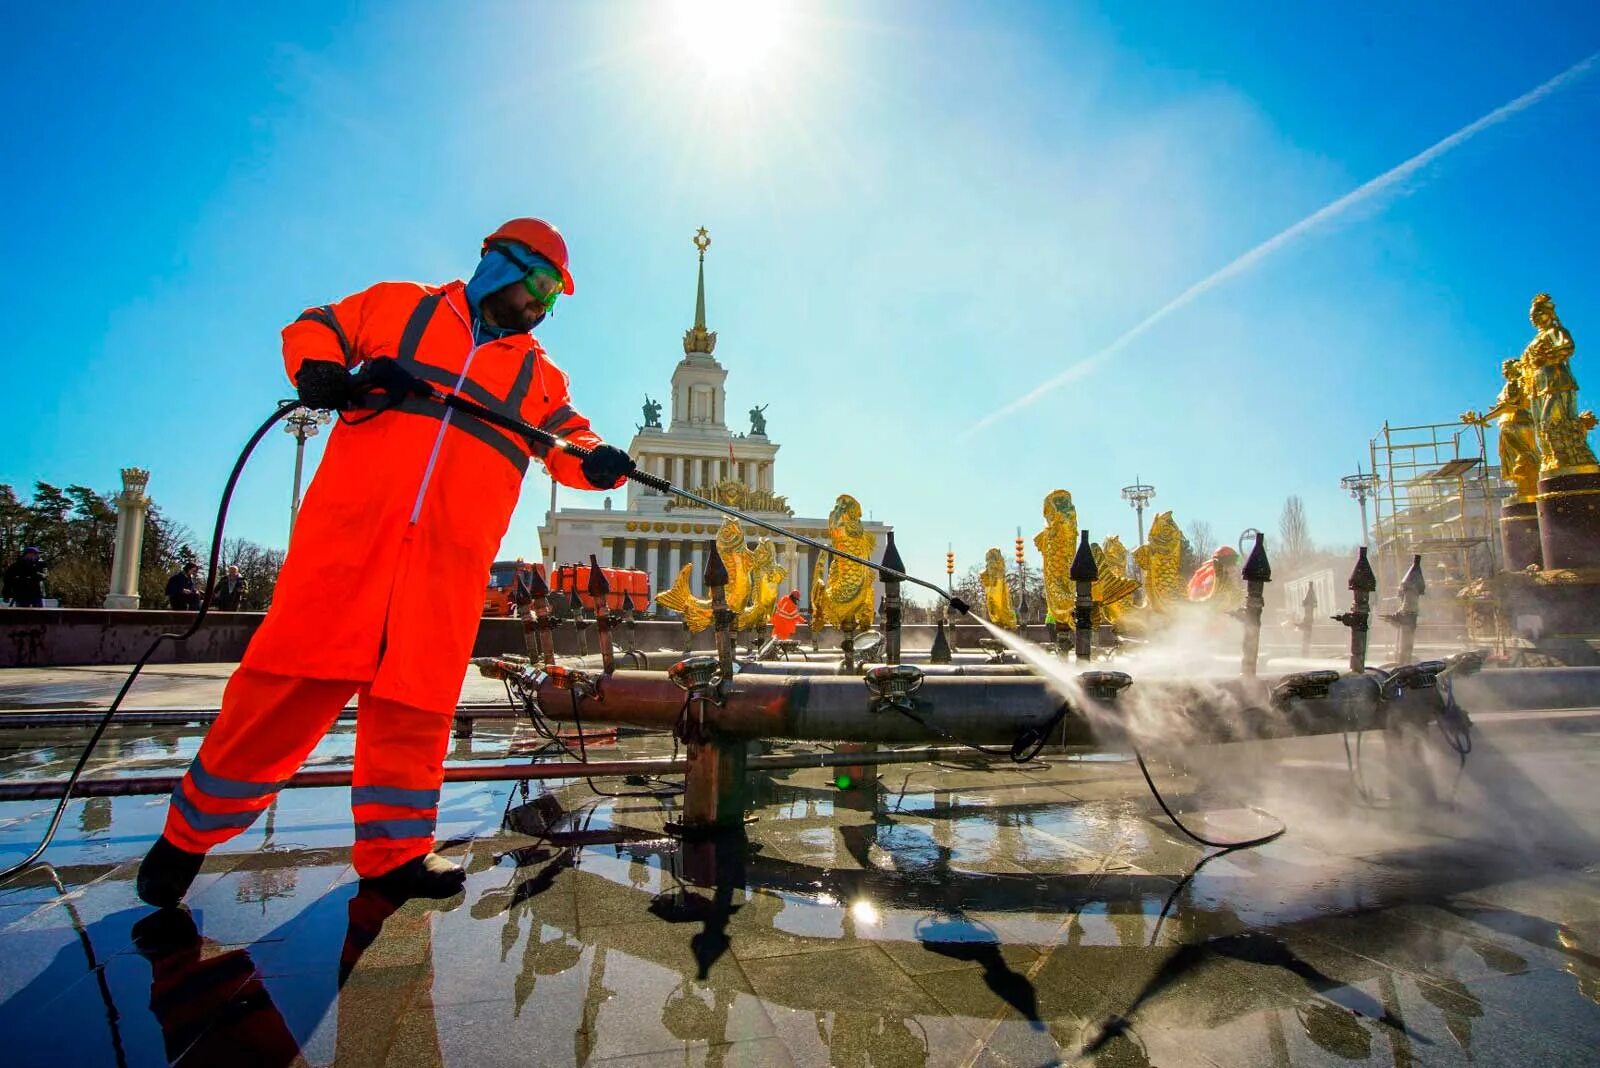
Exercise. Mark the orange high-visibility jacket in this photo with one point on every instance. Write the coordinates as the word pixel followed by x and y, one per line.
pixel 786 618
pixel 384 577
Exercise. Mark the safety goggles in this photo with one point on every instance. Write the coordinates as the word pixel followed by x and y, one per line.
pixel 544 286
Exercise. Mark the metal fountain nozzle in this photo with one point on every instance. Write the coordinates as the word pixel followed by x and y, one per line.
pixel 893 680
pixel 1467 663
pixel 695 673
pixel 1303 686
pixel 1104 686
pixel 960 606
pixel 1084 572
pixel 565 678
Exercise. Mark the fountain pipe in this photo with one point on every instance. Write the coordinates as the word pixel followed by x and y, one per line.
pixel 538 625
pixel 600 593
pixel 892 565
pixel 1362 584
pixel 1084 572
pixel 722 616
pixel 1257 573
pixel 971 708
pixel 1412 587
pixel 389 376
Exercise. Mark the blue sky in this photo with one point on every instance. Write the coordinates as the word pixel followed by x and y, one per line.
pixel 919 212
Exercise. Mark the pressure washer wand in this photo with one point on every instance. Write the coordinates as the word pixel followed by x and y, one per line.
pixel 385 374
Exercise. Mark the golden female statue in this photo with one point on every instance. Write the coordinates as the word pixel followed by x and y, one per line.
pixel 736 558
pixel 766 579
pixel 1057 543
pixel 1562 430
pixel 996 594
pixel 847 597
pixel 1519 451
pixel 1158 559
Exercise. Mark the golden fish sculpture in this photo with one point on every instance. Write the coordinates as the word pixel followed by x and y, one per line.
pixel 846 601
pixel 1057 543
pixel 996 594
pixel 1113 590
pixel 766 580
pixel 736 558
pixel 1158 559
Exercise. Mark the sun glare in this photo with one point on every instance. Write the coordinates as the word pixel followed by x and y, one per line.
pixel 728 38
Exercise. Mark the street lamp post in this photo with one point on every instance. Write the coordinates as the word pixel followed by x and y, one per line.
pixel 1139 494
pixel 1022 581
pixel 1361 485
pixel 301 424
pixel 950 569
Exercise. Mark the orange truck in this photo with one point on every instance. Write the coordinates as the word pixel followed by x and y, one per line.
pixel 504 575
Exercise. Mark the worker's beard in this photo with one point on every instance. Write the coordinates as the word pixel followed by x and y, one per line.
pixel 504 311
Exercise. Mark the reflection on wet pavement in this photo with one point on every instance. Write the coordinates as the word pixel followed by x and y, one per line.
pixel 946 915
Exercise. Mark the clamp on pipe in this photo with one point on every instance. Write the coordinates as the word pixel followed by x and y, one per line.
pixel 701 678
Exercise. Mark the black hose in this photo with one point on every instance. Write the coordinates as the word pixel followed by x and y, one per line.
pixel 1243 843
pixel 283 409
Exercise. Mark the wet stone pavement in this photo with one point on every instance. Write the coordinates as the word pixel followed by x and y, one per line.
pixel 945 915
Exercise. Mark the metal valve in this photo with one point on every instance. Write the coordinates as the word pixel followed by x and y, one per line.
pixel 892 686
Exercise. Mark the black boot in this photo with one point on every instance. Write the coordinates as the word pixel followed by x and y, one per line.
pixel 165 874
pixel 426 876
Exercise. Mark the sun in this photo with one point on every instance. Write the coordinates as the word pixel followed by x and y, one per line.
pixel 729 38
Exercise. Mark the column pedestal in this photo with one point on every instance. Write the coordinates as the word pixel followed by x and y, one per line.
pixel 1569 519
pixel 1519 535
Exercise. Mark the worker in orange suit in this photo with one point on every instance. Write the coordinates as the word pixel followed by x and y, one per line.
pixel 383 584
pixel 786 615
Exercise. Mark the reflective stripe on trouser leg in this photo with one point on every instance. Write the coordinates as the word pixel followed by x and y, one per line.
pixel 395 794
pixel 268 725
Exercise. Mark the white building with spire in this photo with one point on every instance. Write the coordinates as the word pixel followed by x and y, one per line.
pixel 696 449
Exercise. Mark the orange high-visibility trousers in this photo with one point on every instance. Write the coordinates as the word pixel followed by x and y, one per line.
pixel 270 723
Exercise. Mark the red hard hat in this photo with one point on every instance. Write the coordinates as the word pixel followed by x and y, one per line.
pixel 540 236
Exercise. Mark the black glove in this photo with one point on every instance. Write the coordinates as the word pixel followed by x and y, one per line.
pixel 385 373
pixel 324 385
pixel 606 465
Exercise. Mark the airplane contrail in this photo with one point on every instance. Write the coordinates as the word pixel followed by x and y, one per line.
pixel 1383 182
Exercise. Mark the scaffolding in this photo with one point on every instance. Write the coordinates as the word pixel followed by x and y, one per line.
pixel 1438 496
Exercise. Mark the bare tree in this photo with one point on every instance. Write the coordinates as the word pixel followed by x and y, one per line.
pixel 1202 539
pixel 1294 533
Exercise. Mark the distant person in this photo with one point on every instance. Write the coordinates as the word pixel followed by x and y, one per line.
pixel 231 590
pixel 24 586
pixel 181 593
pixel 786 617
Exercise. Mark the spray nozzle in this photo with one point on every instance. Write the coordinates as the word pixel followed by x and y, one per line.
pixel 960 606
pixel 1303 686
